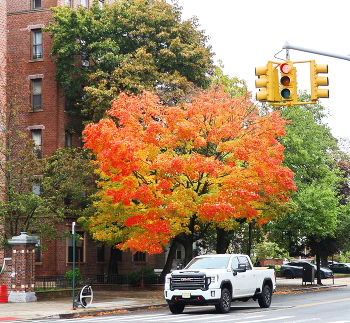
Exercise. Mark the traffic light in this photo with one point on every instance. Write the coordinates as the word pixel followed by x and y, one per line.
pixel 267 82
pixel 316 81
pixel 288 82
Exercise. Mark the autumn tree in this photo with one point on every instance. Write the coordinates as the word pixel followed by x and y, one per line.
pixel 127 46
pixel 172 172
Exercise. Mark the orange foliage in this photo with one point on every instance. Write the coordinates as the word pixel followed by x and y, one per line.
pixel 216 159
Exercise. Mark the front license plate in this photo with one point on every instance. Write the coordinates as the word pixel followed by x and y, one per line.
pixel 186 295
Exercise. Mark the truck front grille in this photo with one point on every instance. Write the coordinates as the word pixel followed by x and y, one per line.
pixel 188 281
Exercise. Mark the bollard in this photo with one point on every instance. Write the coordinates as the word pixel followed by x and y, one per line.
pixel 3 294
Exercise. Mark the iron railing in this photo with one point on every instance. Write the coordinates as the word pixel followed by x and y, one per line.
pixel 60 282
pixel 52 282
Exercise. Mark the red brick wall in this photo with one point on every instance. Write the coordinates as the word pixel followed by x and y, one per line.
pixel 22 261
pixel 52 118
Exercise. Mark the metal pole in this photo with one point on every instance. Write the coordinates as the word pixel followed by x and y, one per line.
pixel 313 51
pixel 73 267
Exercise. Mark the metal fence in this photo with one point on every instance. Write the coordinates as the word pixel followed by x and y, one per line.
pixel 52 282
pixel 129 279
pixel 60 282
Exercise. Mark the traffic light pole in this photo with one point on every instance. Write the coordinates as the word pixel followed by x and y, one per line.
pixel 313 51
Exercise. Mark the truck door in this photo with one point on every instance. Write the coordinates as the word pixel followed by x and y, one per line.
pixel 238 280
pixel 248 277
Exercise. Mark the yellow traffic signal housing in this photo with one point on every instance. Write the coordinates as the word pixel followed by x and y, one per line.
pixel 288 82
pixel 267 82
pixel 316 81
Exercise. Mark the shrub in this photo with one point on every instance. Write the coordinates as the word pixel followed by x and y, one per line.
pixel 78 277
pixel 135 277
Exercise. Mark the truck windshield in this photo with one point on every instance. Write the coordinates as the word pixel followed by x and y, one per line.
pixel 208 263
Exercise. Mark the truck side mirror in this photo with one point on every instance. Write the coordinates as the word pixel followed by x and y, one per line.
pixel 241 269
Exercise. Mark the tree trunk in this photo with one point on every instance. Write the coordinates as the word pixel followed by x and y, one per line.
pixel 222 240
pixel 188 245
pixel 113 262
pixel 250 238
pixel 169 260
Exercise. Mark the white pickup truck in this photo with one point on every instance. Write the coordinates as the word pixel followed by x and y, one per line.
pixel 218 280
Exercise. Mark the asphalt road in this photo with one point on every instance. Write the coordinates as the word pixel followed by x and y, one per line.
pixel 323 306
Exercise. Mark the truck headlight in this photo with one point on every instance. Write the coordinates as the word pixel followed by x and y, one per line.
pixel 212 279
pixel 167 280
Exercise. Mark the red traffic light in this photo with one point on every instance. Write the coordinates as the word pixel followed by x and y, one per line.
pixel 285 68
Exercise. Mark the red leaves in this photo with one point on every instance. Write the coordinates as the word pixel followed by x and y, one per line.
pixel 213 160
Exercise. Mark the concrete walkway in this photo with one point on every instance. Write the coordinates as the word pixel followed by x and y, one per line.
pixel 117 301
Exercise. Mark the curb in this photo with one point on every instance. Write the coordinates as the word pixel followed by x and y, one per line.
pixel 310 288
pixel 101 312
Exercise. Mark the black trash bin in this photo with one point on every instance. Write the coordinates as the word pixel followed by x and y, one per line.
pixel 308 273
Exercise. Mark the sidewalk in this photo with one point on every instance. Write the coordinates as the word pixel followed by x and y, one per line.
pixel 113 302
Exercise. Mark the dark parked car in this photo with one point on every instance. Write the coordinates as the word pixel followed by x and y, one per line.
pixel 340 268
pixel 295 269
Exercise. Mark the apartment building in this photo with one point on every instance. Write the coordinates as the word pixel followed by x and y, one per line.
pixel 27 81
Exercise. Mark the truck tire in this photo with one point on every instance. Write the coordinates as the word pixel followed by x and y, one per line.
pixel 176 308
pixel 225 301
pixel 265 297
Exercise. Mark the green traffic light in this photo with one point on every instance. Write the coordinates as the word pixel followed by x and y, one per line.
pixel 285 93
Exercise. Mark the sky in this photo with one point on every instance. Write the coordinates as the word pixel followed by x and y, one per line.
pixel 246 34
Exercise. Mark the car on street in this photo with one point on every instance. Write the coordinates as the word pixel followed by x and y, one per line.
pixel 342 268
pixel 295 269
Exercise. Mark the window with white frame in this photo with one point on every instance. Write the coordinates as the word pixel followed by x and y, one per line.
pixel 37 44
pixel 68 3
pixel 36 94
pixel 37 137
pixel 79 247
pixel 36 4
pixel 84 3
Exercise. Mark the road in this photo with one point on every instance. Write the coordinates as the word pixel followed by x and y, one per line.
pixel 324 306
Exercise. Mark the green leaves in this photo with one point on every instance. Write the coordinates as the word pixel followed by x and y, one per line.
pixel 131 46
pixel 310 151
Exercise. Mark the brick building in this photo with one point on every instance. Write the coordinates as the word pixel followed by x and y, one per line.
pixel 27 81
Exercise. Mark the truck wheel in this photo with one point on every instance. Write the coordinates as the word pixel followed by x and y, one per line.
pixel 176 308
pixel 265 297
pixel 225 302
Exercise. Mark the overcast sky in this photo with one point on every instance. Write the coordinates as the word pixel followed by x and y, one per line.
pixel 248 33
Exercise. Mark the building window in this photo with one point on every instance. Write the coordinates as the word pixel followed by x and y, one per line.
pixel 36 136
pixel 36 4
pixel 101 253
pixel 36 94
pixel 79 247
pixel 68 3
pixel 178 254
pixel 68 105
pixel 37 44
pixel 36 189
pixel 38 251
pixel 140 256
pixel 84 3
pixel 68 139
